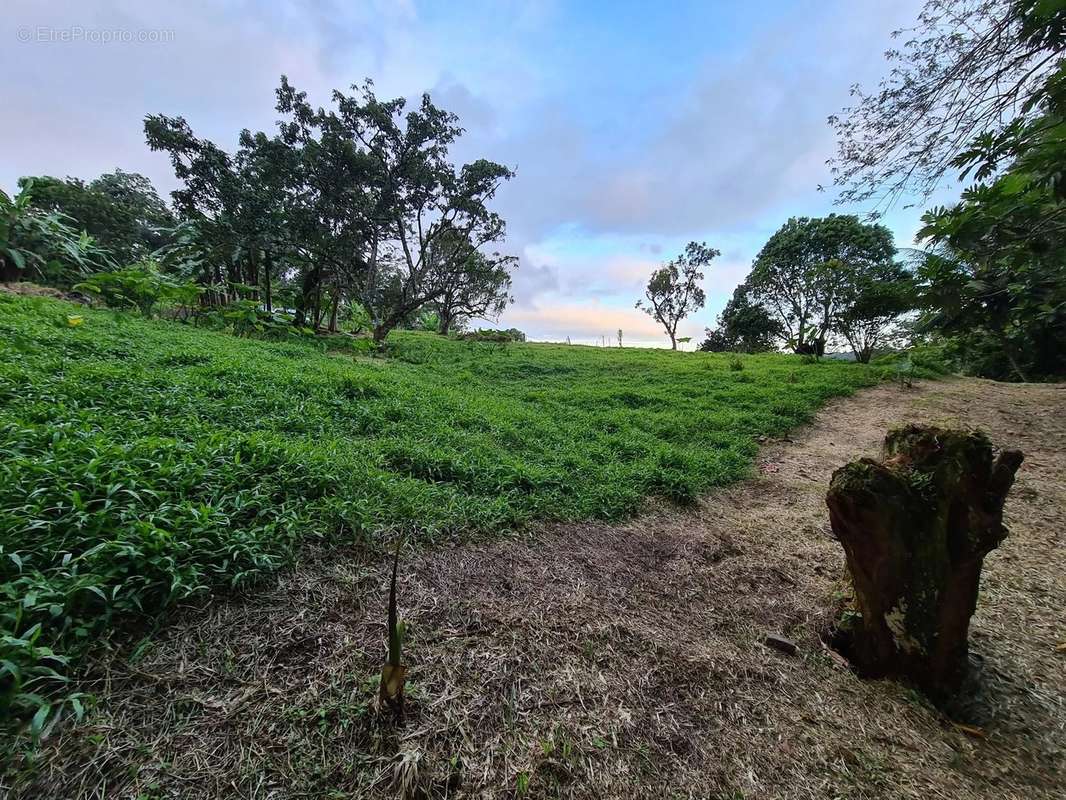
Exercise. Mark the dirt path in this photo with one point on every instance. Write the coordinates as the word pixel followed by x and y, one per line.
pixel 611 661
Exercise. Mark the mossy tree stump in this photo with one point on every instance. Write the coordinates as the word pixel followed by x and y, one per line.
pixel 916 527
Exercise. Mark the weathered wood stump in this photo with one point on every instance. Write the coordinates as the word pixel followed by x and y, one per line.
pixel 916 527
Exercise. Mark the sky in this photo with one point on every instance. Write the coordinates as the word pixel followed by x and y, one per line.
pixel 633 127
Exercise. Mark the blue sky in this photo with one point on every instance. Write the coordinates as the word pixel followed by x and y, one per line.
pixel 634 127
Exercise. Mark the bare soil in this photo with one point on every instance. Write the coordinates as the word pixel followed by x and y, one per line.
pixel 609 661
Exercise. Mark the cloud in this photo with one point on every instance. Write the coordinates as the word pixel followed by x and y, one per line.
pixel 587 322
pixel 632 132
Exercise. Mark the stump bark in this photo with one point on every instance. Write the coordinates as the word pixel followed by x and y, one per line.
pixel 915 528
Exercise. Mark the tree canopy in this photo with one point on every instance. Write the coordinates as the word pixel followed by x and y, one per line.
pixel 743 327
pixel 120 210
pixel 356 204
pixel 980 88
pixel 810 272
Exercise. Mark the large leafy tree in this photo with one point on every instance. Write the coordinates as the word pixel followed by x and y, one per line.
pixel 120 210
pixel 334 191
pixel 809 271
pixel 44 246
pixel 979 89
pixel 673 291
pixel 236 210
pixel 410 219
pixel 418 200
pixel 994 276
pixel 870 319
pixel 208 202
pixel 967 68
pixel 743 326
pixel 354 204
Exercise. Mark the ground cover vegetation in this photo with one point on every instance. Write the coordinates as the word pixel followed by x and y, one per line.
pixel 148 461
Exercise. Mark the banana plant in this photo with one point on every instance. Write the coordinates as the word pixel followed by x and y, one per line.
pixel 394 672
pixel 43 245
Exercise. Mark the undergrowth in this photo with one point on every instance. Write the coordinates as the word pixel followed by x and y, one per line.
pixel 145 462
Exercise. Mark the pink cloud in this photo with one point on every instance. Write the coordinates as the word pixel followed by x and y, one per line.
pixel 586 323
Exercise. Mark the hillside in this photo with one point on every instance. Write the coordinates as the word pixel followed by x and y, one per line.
pixel 608 660
pixel 145 462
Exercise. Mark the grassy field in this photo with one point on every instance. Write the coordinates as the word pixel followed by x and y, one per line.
pixel 143 462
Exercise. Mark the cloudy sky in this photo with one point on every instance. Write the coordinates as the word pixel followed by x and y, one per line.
pixel 634 126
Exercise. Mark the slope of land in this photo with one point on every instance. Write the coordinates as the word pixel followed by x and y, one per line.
pixel 599 660
pixel 143 463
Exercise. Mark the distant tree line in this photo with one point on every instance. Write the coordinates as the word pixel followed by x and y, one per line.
pixel 352 211
pixel 979 89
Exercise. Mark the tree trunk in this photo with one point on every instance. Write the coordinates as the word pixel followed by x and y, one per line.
pixel 309 289
pixel 333 311
pixel 445 321
pixel 9 272
pixel 915 528
pixel 267 264
pixel 673 341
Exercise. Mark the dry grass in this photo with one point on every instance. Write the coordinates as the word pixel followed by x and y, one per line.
pixel 27 289
pixel 607 661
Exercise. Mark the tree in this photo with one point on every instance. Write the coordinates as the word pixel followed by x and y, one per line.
pixel 743 326
pixel 120 210
pixel 237 212
pixel 970 67
pixel 43 245
pixel 807 273
pixel 335 190
pixel 673 292
pixel 881 297
pixel 477 288
pixel 406 199
pixel 994 272
pixel 419 199
pixel 358 204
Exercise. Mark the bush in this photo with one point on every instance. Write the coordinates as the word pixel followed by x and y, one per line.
pixel 249 318
pixel 141 287
pixel 428 320
pixel 924 360
pixel 493 335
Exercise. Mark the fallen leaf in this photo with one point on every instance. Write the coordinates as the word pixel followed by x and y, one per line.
pixel 971 730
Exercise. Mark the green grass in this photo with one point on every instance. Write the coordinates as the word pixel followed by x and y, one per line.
pixel 143 462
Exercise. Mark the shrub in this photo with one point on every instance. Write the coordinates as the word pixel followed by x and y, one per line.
pixel 141 287
pixel 493 335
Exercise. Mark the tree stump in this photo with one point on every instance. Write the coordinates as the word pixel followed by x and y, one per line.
pixel 916 527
